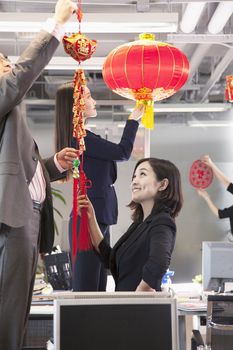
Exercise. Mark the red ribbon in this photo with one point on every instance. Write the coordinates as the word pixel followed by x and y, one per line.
pixel 83 242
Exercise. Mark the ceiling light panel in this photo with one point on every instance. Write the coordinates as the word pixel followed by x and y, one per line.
pixel 95 22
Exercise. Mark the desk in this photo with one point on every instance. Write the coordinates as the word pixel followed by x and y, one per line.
pixel 41 319
pixel 188 320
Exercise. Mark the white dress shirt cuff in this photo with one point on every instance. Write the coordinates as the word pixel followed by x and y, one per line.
pixel 58 165
pixel 54 28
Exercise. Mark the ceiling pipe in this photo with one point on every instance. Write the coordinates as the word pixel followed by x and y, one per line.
pixel 220 17
pixel 197 57
pixel 223 64
pixel 191 16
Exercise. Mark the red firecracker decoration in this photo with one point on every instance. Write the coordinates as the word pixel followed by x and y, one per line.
pixel 80 183
pixel 79 47
pixel 200 175
pixel 146 70
pixel 229 88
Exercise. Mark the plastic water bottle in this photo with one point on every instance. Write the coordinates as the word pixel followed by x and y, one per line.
pixel 166 281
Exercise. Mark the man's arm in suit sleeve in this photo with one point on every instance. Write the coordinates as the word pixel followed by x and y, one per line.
pixel 18 81
pixel 53 171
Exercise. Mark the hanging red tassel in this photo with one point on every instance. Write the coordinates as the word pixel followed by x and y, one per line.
pixel 84 241
pixel 75 216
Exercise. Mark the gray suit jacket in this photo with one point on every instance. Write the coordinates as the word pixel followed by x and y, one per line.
pixel 18 152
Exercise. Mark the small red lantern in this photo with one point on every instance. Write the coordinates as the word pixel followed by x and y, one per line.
pixel 229 88
pixel 146 70
pixel 79 46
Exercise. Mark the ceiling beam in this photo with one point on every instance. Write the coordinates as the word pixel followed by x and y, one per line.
pixel 158 107
pixel 215 76
pixel 200 38
pixel 194 62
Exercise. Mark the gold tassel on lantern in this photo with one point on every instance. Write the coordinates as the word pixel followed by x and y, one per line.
pixel 148 116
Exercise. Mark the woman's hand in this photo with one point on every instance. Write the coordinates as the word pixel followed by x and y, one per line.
pixel 144 287
pixel 84 202
pixel 137 113
pixel 202 193
pixel 207 160
pixel 93 227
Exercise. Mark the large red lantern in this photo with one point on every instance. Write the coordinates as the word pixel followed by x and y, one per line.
pixel 146 70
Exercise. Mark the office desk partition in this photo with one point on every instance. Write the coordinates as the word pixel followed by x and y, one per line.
pixel 120 320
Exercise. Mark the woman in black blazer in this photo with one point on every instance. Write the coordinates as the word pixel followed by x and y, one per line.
pixel 100 158
pixel 142 255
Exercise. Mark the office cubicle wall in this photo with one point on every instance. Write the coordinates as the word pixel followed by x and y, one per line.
pixel 119 322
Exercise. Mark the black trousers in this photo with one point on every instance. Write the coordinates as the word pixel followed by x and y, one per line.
pixel 18 262
pixel 89 273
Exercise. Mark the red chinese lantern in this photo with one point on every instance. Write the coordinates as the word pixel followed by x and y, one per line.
pixel 146 70
pixel 229 88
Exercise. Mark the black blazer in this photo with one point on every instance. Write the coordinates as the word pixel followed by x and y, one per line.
pixel 143 252
pixel 100 167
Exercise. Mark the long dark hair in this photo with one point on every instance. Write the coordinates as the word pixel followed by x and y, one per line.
pixel 64 116
pixel 171 198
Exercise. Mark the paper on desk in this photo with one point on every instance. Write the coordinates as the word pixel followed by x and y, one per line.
pixel 192 306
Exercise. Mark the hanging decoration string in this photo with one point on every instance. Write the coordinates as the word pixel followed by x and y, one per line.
pixel 80 48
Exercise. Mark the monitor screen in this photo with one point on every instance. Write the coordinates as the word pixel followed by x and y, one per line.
pixel 217 265
pixel 116 323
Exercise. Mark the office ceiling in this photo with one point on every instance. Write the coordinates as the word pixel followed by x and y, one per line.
pixel 202 30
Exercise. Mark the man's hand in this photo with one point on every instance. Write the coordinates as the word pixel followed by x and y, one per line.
pixel 66 157
pixel 64 10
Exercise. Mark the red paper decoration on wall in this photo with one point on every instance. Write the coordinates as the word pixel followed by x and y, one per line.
pixel 200 175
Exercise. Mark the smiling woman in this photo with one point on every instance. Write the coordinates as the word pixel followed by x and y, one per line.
pixel 100 157
pixel 142 255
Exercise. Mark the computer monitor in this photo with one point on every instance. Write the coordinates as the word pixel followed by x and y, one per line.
pixel 217 265
pixel 116 322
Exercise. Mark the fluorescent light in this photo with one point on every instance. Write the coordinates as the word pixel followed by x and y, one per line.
pixel 95 22
pixel 191 16
pixel 68 63
pixel 191 107
pixel 210 124
pixel 221 15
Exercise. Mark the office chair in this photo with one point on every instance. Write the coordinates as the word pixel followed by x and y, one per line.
pixel 219 323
